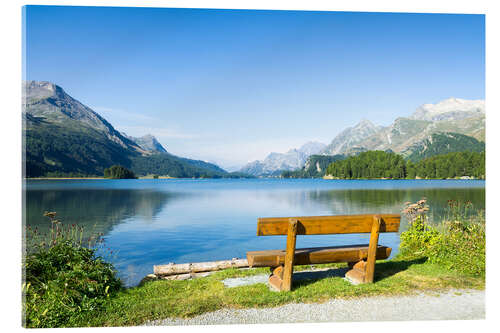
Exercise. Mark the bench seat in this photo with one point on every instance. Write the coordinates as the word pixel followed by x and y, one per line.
pixel 316 255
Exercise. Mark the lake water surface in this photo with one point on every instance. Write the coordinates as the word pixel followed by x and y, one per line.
pixel 150 222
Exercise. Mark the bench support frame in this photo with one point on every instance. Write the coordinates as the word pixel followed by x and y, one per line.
pixel 361 271
pixel 281 278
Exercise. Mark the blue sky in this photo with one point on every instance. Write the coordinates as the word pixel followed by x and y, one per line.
pixel 230 86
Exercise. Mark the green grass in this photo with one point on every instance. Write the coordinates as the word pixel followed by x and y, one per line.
pixel 161 299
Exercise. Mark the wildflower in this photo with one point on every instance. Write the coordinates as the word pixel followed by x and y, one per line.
pixel 50 214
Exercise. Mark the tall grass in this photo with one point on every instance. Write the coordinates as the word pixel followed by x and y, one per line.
pixel 63 278
pixel 458 242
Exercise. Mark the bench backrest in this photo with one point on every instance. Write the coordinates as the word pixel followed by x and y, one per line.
pixel 323 225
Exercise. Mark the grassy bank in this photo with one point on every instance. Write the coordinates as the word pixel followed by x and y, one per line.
pixel 161 299
pixel 432 258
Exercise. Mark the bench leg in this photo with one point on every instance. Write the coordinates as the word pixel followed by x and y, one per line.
pixel 281 278
pixel 357 272
pixel 363 271
pixel 276 277
pixel 291 239
pixel 372 249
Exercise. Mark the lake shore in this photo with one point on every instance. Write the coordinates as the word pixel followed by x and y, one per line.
pixel 95 178
pixel 324 177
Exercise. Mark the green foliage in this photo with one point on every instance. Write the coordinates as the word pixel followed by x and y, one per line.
pixel 64 280
pixel 451 165
pixel 370 164
pixel 53 150
pixel 118 172
pixel 56 151
pixel 173 166
pixel 418 239
pixel 178 167
pixel 380 164
pixel 457 243
pixel 443 143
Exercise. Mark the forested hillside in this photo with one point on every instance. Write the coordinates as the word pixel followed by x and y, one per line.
pixel 370 164
pixel 379 164
pixel 443 143
pixel 451 165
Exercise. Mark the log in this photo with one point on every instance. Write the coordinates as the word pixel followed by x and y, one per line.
pixel 197 267
pixel 316 255
pixel 186 276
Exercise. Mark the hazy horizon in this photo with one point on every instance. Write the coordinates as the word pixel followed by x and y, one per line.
pixel 232 86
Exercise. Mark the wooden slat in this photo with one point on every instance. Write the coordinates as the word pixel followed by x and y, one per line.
pixel 321 225
pixel 318 255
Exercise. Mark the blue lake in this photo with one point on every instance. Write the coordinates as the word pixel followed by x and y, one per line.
pixel 150 222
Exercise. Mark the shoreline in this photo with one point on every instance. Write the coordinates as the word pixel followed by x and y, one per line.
pixel 166 177
pixel 94 178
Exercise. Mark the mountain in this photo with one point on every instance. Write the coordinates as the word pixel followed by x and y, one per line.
pixel 46 101
pixel 62 136
pixel 454 115
pixel 147 143
pixel 450 109
pixel 311 148
pixel 275 163
pixel 351 137
pixel 314 167
pixel 443 143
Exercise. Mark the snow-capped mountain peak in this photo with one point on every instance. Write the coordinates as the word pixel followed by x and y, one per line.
pixel 449 109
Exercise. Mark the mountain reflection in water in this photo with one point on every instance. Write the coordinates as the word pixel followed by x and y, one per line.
pixel 149 222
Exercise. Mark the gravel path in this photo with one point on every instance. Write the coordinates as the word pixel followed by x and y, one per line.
pixel 450 305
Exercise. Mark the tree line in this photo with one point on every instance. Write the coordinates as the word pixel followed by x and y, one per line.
pixel 380 164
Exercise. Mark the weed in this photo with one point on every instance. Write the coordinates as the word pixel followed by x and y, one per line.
pixel 64 279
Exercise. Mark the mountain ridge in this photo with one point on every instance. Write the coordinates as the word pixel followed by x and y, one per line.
pixel 64 136
pixel 404 134
pixel 456 115
pixel 275 162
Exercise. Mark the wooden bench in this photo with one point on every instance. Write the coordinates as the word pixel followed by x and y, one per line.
pixel 360 258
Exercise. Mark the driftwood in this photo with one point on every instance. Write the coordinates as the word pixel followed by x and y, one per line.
pixel 198 267
pixel 186 276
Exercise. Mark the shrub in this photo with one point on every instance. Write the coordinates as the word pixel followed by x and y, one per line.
pixel 64 280
pixel 118 172
pixel 420 236
pixel 458 242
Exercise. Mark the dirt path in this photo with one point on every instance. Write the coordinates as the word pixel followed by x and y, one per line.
pixel 449 305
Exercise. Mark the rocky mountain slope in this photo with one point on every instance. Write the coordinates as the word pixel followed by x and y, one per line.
pixel 62 136
pixel 147 143
pixel 451 115
pixel 46 101
pixel 351 137
pixel 450 109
